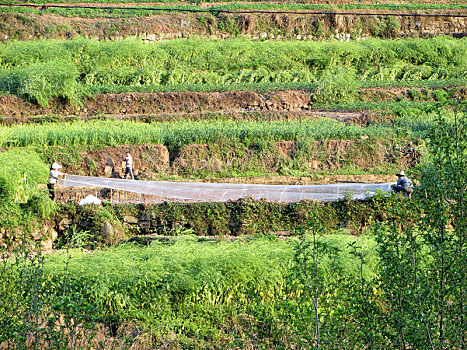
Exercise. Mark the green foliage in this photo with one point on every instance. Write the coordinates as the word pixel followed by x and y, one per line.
pixel 423 256
pixel 440 95
pixel 177 134
pixel 36 312
pixel 198 289
pixel 47 69
pixel 245 216
pixel 41 82
pixel 21 170
pixel 336 85
pixel 316 268
pixel 388 28
pixel 41 204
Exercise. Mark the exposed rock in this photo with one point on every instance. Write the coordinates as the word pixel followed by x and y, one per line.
pixel 130 219
pixel 107 230
pixel 64 223
pixel 107 171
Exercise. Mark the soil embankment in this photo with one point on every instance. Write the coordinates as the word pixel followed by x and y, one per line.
pixel 197 105
pixel 257 26
pixel 220 161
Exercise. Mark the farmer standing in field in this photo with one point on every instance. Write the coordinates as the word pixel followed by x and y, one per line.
pixel 53 177
pixel 129 166
pixel 403 185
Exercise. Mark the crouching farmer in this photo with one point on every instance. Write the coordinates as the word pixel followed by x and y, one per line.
pixel 403 185
pixel 53 177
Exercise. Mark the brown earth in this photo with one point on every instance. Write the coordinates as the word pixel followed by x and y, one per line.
pixel 207 3
pixel 213 160
pixel 257 26
pixel 109 162
pixel 197 105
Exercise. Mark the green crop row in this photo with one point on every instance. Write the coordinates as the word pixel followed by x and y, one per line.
pixel 270 86
pixel 176 134
pixel 238 54
pixel 43 70
pixel 179 133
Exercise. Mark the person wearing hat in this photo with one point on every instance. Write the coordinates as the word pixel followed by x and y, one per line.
pixel 403 185
pixel 53 177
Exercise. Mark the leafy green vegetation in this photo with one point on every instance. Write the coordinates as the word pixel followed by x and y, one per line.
pixel 42 82
pixel 22 170
pixel 193 288
pixel 132 65
pixel 21 202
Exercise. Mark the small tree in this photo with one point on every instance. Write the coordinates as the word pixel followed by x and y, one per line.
pixel 422 249
pixel 444 191
pixel 316 267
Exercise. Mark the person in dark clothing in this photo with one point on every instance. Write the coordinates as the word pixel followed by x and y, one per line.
pixel 403 185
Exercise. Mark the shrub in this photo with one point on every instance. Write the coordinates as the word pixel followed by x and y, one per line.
pixel 21 170
pixel 337 84
pixel 41 82
pixel 440 95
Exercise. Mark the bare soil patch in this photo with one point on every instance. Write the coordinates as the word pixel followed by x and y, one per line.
pixel 109 162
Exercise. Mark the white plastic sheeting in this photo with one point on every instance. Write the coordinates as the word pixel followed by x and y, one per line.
pixel 90 200
pixel 219 192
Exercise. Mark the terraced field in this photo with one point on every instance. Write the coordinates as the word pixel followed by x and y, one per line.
pixel 239 92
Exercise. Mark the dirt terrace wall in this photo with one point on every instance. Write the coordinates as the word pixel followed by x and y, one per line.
pixel 254 26
pixel 220 160
pixel 15 109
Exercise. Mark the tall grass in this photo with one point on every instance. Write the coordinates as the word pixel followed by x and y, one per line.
pixel 176 134
pixel 41 82
pixel 411 123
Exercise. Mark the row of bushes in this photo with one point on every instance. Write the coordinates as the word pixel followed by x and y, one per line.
pixel 233 218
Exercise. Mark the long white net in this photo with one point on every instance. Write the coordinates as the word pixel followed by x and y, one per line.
pixel 219 192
